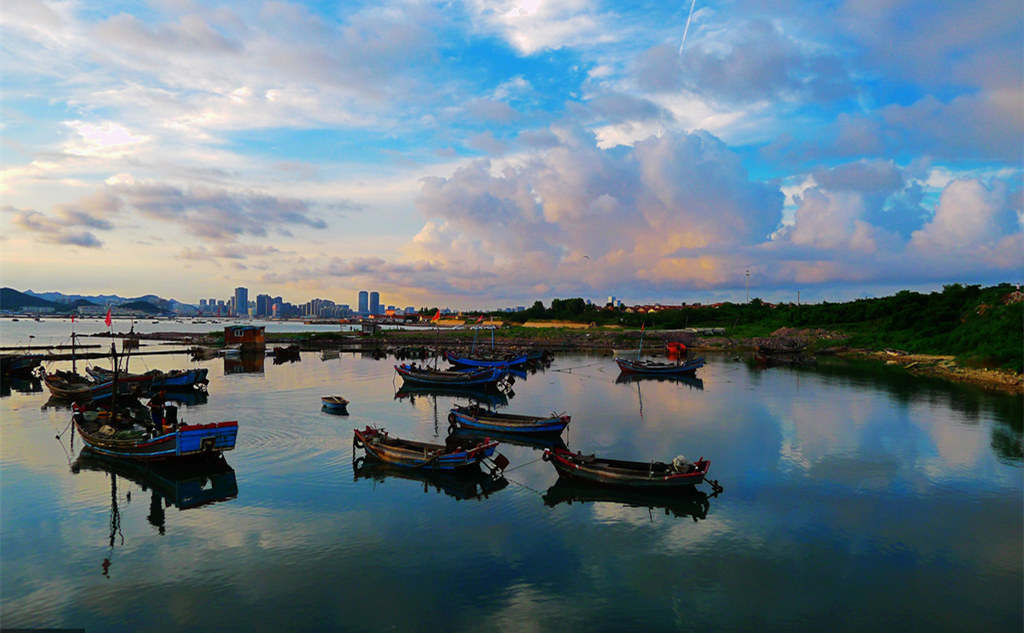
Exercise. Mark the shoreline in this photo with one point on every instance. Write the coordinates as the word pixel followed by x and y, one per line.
pixel 815 342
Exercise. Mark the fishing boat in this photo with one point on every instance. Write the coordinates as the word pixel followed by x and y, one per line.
pixel 118 433
pixel 174 379
pixel 328 354
pixel 335 404
pixel 72 386
pixel 19 364
pixel 679 473
pixel 485 361
pixel 473 416
pixel 483 377
pixel 653 367
pixel 377 443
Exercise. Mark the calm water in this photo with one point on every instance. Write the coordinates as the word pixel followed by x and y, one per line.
pixel 855 498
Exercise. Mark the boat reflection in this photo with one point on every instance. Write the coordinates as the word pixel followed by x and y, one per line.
pixel 465 483
pixel 689 381
pixel 692 503
pixel 537 441
pixel 183 485
pixel 244 364
pixel 21 384
pixel 493 399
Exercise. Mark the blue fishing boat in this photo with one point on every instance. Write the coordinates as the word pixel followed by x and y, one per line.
pixel 474 416
pixel 116 433
pixel 335 404
pixel 174 379
pixel 485 361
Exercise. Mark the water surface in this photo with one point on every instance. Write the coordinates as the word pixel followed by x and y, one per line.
pixel 855 497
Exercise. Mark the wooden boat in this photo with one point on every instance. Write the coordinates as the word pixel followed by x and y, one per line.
pixel 613 472
pixel 474 416
pixel 174 379
pixel 686 502
pixel 335 404
pixel 412 454
pixel 118 434
pixel 689 367
pixel 72 386
pixel 484 361
pixel 328 354
pixel 19 364
pixel 483 377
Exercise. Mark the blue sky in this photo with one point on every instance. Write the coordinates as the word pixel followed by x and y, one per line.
pixel 488 154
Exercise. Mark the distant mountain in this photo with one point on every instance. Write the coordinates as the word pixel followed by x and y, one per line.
pixel 172 305
pixel 144 306
pixel 11 299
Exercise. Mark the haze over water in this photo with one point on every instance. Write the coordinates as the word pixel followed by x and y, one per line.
pixel 855 497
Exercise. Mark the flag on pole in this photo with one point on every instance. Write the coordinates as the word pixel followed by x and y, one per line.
pixel 481 319
pixel 642 326
pixel 437 316
pixel 107 320
pixel 72 318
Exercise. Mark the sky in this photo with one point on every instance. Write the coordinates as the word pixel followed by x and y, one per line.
pixel 487 154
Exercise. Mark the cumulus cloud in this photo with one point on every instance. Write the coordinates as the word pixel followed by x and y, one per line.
pixel 578 216
pixel 751 62
pixel 533 25
pixel 217 214
pixel 973 225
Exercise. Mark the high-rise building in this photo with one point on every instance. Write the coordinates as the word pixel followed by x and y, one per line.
pixel 374 302
pixel 241 301
pixel 263 305
pixel 364 306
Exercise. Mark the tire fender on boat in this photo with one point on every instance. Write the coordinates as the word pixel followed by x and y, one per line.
pixel 358 443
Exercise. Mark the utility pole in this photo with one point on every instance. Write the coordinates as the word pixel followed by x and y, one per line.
pixel 748 285
pixel 798 297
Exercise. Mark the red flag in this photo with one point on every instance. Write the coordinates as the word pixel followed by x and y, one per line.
pixel 72 318
pixel 436 316
pixel 480 320
pixel 107 320
pixel 642 326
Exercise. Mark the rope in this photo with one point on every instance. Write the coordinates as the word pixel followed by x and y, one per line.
pixel 508 470
pixel 513 481
pixel 569 369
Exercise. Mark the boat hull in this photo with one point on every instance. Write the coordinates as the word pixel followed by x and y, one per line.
pixel 469 361
pixel 689 368
pixel 186 442
pixel 410 454
pixel 475 418
pixel 334 404
pixel 484 377
pixel 624 474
